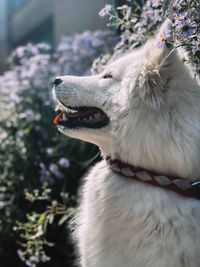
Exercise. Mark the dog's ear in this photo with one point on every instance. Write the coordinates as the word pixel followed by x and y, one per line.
pixel 158 67
pixel 164 39
pixel 160 51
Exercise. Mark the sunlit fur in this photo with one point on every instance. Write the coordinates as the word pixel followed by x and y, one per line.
pixel 153 102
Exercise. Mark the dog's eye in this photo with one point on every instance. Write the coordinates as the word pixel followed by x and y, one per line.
pixel 107 76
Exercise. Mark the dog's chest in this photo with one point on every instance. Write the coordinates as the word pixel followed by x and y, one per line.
pixel 125 223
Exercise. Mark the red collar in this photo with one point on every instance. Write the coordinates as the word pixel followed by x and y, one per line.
pixel 186 187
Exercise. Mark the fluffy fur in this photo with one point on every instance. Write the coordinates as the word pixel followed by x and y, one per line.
pixel 153 103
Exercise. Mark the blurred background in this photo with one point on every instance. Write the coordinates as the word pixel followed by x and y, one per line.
pixel 23 21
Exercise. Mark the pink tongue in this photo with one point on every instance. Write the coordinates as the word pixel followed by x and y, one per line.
pixel 58 118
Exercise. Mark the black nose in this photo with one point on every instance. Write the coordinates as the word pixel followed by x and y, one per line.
pixel 57 81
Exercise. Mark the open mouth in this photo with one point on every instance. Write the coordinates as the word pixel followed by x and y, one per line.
pixel 78 117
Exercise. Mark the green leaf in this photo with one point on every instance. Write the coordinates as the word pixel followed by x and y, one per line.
pixel 166 4
pixel 42 218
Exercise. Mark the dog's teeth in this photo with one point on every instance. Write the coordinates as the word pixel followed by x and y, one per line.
pixel 98 116
pixel 64 117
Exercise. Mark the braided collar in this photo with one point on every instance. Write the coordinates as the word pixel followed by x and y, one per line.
pixel 186 187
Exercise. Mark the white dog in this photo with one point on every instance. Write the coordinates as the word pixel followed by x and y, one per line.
pixel 144 111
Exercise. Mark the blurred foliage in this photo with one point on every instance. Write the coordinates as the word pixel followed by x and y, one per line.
pixel 35 157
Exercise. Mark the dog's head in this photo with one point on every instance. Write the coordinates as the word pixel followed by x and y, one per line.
pixel 144 108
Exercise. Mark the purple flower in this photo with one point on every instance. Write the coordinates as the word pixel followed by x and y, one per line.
pixel 156 3
pixel 158 15
pixel 63 162
pixel 106 10
pixel 53 168
pixel 45 258
pixel 45 175
pixel 186 28
pixel 34 259
pixel 49 151
pixel 195 46
pixel 177 19
pixel 174 6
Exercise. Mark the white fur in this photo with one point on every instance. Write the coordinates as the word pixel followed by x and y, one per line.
pixel 154 107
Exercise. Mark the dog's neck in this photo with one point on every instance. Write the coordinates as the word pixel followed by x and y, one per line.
pixel 185 187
